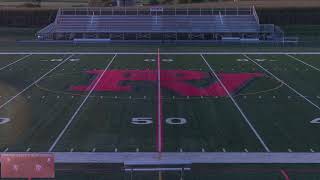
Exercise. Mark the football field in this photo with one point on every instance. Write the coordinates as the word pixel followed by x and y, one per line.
pixel 170 102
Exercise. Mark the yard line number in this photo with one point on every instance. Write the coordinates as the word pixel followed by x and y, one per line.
pixel 60 59
pixel 148 120
pixel 259 60
pixel 154 60
pixel 315 121
pixel 4 120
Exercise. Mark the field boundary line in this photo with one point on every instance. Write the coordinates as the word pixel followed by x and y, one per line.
pixel 237 106
pixel 35 82
pixel 165 53
pixel 80 106
pixel 175 158
pixel 281 81
pixel 299 60
pixel 14 62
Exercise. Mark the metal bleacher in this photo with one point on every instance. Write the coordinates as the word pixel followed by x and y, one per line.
pixel 155 23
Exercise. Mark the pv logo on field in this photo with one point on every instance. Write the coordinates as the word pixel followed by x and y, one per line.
pixel 4 120
pixel 148 120
pixel 179 81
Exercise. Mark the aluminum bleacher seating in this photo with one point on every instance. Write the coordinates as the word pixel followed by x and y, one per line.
pixel 208 23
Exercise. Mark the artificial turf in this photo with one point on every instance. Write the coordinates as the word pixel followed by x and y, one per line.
pixel 211 123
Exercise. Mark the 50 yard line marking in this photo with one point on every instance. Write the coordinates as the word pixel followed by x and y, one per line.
pixel 237 106
pixel 281 81
pixel 80 106
pixel 159 128
pixel 35 82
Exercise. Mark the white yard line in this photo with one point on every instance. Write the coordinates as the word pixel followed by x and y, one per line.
pixel 238 107
pixel 297 59
pixel 14 62
pixel 164 53
pixel 281 81
pixel 35 82
pixel 81 105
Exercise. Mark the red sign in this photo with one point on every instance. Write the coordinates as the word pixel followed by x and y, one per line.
pixel 27 165
pixel 178 81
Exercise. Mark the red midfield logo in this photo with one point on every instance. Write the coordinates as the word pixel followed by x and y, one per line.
pixel 177 81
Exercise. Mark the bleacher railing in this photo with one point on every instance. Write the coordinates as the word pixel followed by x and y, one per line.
pixel 58 16
pixel 254 12
pixel 165 11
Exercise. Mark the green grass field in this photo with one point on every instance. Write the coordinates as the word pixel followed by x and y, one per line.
pixel 38 108
pixel 277 111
